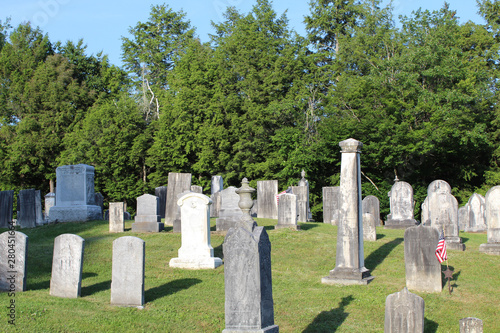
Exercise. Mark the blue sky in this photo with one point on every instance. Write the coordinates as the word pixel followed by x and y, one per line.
pixel 102 23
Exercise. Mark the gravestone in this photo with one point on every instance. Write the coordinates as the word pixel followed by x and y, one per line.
pixel 349 265
pixel 404 313
pixel 196 189
pixel 14 250
pixel 229 211
pixel 369 227
pixel 331 204
pixel 127 271
pixel 423 270
pixel 477 208
pixel 216 184
pixel 50 201
pixel 216 204
pixel 266 199
pixel 196 251
pixel 6 208
pixel 401 205
pixel 39 220
pixel 463 217
pixel 302 202
pixel 147 218
pixel 371 205
pixel 307 214
pixel 178 183
pixel 161 193
pixel 492 214
pixel 75 199
pixel 471 325
pixel 287 212
pixel 26 211
pixel 116 217
pixel 67 263
pixel 437 186
pixel 443 214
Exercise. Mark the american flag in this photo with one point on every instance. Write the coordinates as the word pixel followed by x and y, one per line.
pixel 441 249
pixel 288 190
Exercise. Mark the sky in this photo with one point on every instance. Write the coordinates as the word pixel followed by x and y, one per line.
pixel 102 23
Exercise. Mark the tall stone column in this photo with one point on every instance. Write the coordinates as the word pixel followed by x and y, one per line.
pixel 349 266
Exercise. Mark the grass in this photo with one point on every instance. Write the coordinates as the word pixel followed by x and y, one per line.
pixel 193 300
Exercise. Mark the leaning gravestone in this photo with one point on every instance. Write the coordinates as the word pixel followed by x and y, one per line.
pixel 14 250
pixel 116 217
pixel 331 205
pixel 6 208
pixel 229 212
pixel 477 221
pixel 443 214
pixel 75 199
pixel 369 228
pixel 492 215
pixel 148 217
pixel 127 271
pixel 404 313
pixel 196 252
pixel 266 199
pixel 471 325
pixel 423 270
pixel 371 205
pixel 287 212
pixel 26 217
pixel 401 205
pixel 67 264
pixel 161 193
pixel 178 183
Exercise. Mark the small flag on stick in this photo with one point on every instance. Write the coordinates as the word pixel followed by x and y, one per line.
pixel 441 249
pixel 288 190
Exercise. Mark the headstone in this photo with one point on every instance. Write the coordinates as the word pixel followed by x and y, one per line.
pixel 423 270
pixel 196 251
pixel 443 214
pixel 161 193
pixel 349 265
pixel 6 208
pixel 371 205
pixel 99 201
pixel 287 211
pixel 67 263
pixel 404 313
pixel 216 204
pixel 14 250
pixel 229 211
pixel 116 217
pixel 369 227
pixel 463 217
pixel 266 199
pixel 302 202
pixel 477 219
pixel 178 183
pixel 39 220
pixel 26 216
pixel 50 201
pixel 127 271
pixel 492 215
pixel 401 205
pixel 217 184
pixel 75 199
pixel 471 325
pixel 437 186
pixel 331 205
pixel 196 189
pixel 147 218
pixel 305 183
pixel 126 215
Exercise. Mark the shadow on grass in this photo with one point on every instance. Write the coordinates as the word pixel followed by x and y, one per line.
pixel 329 321
pixel 380 236
pixel 464 239
pixel 169 288
pixel 376 257
pixel 307 226
pixel 39 285
pixel 430 326
pixel 218 251
pixel 95 288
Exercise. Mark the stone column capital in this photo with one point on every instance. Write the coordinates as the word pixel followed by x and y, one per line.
pixel 351 146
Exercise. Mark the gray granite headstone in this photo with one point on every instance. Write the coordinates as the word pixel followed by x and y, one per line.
pixel 99 201
pixel 492 215
pixel 287 211
pixel 147 218
pixel 38 208
pixel 463 217
pixel 178 183
pixel 401 205
pixel 302 202
pixel 471 325
pixel 14 250
pixel 161 193
pixel 67 264
pixel 371 205
pixel 369 227
pixel 50 201
pixel 127 272
pixel 229 211
pixel 6 208
pixel 196 189
pixel 443 215
pixel 331 204
pixel 216 204
pixel 423 270
pixel 26 217
pixel 116 217
pixel 477 212
pixel 404 313
pixel 266 199
pixel 217 184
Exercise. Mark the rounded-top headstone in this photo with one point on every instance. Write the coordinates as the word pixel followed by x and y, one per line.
pixel 438 186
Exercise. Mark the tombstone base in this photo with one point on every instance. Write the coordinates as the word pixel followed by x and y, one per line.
pixel 196 263
pixel 287 226
pixel 454 243
pixel 490 248
pixel 147 227
pixel 348 276
pixel 268 329
pixel 75 213
pixel 399 224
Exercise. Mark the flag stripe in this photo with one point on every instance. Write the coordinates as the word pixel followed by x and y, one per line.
pixel 441 254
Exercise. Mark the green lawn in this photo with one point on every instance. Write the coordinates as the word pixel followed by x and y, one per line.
pixel 193 301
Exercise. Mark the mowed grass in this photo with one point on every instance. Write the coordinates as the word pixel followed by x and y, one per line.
pixel 180 300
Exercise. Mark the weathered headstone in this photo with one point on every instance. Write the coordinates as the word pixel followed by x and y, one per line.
pixel 229 211
pixel 369 227
pixel 39 220
pixel 423 270
pixel 463 217
pixel 216 204
pixel 492 215
pixel 307 214
pixel 50 201
pixel 196 189
pixel 127 272
pixel 404 313
pixel 6 208
pixel 266 199
pixel 371 205
pixel 116 217
pixel 178 183
pixel 75 199
pixel 401 205
pixel 147 218
pixel 14 250
pixel 471 325
pixel 443 214
pixel 477 212
pixel 26 216
pixel 331 205
pixel 161 193
pixel 349 265
pixel 302 202
pixel 437 186
pixel 67 264
pixel 196 252
pixel 287 211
